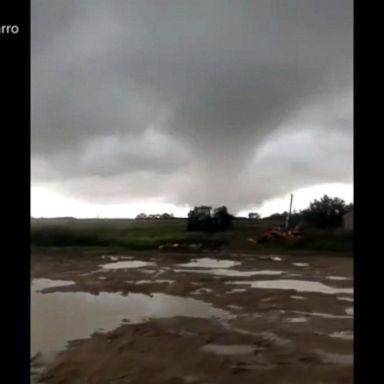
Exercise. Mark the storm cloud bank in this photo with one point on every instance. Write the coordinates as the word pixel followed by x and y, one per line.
pixel 191 101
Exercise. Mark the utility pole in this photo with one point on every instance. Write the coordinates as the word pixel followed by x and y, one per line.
pixel 287 222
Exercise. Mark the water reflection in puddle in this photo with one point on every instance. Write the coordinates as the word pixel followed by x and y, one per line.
pixel 40 284
pixel 62 316
pixel 297 320
pixel 301 264
pixel 350 299
pixel 266 335
pixel 231 272
pixel 109 257
pixel 201 291
pixel 336 278
pixel 228 349
pixel 127 264
pixel 276 339
pixel 336 358
pixel 139 282
pixel 116 257
pixel 345 335
pixel 207 262
pixel 349 311
pixel 323 315
pixel 272 258
pixel 148 271
pixel 236 290
pixel 297 285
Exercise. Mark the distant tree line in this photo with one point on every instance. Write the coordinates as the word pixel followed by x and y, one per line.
pixel 163 216
pixel 326 212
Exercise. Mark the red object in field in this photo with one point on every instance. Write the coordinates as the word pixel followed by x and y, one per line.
pixel 277 233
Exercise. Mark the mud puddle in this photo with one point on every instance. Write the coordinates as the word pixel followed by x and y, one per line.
pixel 139 282
pixel 345 335
pixel 231 272
pixel 323 315
pixel 297 320
pixel 296 285
pixel 59 317
pixel 349 311
pixel 41 284
pixel 207 262
pixel 337 278
pixel 274 321
pixel 127 264
pixel 336 358
pixel 350 299
pixel 236 290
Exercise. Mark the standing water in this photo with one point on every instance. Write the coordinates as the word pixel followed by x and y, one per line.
pixel 59 317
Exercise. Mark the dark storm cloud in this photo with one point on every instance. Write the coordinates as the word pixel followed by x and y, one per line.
pixel 212 82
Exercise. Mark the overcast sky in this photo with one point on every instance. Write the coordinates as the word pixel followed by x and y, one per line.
pixel 143 105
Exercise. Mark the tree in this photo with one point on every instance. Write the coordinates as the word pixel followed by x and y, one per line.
pixel 253 215
pixel 325 213
pixel 141 216
pixel 166 216
pixel 282 216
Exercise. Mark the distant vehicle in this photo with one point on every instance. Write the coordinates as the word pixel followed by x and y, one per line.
pixel 206 219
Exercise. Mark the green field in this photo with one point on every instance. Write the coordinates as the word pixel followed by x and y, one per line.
pixel 128 234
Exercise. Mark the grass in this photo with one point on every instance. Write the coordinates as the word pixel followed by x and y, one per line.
pixel 124 234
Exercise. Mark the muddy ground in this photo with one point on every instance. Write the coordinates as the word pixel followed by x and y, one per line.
pixel 192 319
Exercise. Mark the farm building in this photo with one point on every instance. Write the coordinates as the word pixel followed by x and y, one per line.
pixel 348 220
